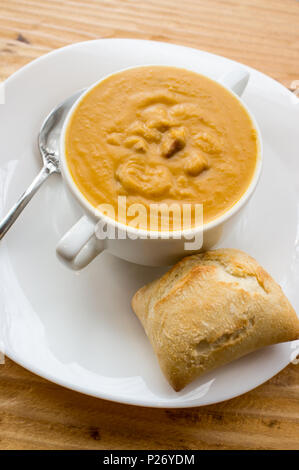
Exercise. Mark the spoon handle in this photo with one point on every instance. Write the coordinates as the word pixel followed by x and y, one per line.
pixel 16 210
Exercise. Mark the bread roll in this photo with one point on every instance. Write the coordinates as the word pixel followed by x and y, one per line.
pixel 210 309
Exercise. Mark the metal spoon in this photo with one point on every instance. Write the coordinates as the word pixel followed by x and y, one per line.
pixel 48 141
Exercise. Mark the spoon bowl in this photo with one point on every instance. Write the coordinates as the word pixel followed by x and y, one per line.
pixel 49 135
pixel 49 143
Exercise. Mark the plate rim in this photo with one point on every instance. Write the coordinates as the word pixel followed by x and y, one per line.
pixel 170 403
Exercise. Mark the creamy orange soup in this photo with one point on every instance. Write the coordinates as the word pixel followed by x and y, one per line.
pixel 161 134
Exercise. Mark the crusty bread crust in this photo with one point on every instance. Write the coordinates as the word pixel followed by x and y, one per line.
pixel 210 309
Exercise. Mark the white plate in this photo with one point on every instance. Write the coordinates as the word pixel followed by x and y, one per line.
pixel 78 330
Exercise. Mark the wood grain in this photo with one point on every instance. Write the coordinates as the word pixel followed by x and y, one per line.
pixel 260 33
pixel 36 414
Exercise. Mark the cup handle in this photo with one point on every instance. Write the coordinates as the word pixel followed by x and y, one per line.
pixel 236 80
pixel 79 246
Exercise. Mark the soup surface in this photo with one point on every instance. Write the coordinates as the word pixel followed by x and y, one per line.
pixel 160 134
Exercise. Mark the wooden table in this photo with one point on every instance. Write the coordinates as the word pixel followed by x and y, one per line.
pixel 36 414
